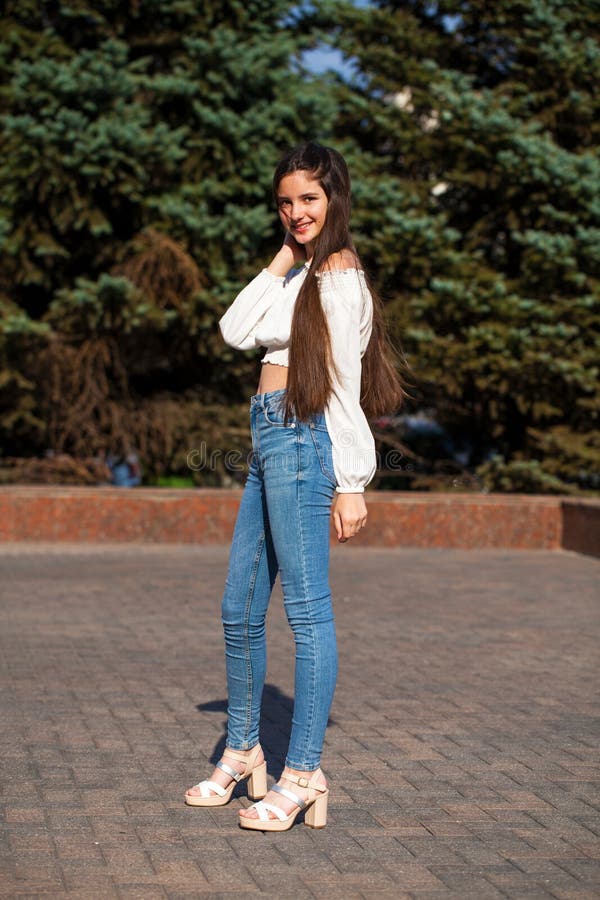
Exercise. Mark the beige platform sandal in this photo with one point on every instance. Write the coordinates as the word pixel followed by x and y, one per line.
pixel 315 806
pixel 256 775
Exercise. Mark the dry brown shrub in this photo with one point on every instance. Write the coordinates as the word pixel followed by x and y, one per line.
pixel 83 390
pixel 61 469
pixel 88 408
pixel 161 269
pixel 172 434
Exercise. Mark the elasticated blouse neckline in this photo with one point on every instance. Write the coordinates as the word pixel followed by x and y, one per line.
pixel 350 270
pixel 295 271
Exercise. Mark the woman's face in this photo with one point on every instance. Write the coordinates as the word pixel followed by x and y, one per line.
pixel 302 205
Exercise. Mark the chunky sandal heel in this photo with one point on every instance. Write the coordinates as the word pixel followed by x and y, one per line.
pixel 315 806
pixel 316 814
pixel 257 782
pixel 255 773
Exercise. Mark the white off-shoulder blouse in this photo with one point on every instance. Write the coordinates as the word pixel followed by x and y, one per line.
pixel 261 316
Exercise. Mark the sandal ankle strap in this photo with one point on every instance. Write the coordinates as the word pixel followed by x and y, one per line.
pixel 243 757
pixel 304 782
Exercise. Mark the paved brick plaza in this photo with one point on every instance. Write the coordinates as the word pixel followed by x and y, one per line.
pixel 462 751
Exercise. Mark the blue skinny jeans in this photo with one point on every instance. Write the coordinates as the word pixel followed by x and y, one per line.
pixel 282 526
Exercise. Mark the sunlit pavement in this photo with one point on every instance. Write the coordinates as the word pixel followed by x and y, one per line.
pixel 462 751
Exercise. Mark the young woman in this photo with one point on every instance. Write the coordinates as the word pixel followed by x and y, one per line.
pixel 328 366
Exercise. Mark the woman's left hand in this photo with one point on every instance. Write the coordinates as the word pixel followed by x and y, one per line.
pixel 349 514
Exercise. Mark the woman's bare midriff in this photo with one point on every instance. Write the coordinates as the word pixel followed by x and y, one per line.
pixel 272 378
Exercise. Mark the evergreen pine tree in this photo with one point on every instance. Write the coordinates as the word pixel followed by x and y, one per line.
pixel 137 145
pixel 477 126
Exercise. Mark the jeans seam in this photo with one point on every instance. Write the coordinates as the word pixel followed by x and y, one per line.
pixel 248 651
pixel 310 722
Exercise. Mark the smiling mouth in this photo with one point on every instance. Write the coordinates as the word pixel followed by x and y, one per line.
pixel 301 227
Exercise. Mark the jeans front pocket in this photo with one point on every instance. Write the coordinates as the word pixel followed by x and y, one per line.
pixel 273 412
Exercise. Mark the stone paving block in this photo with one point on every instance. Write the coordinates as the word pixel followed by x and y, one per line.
pixel 511 880
pixel 414 875
pixel 333 891
pixel 275 886
pixel 91 893
pixel 591 824
pixel 229 875
pixel 592 849
pixel 23 815
pixel 462 751
pixel 28 838
pixel 574 894
pixel 468 884
pixel 66 848
pixel 39 874
pixel 179 872
pixel 242 893
pixel 141 892
pixel 127 861
pixel 93 875
pixel 586 870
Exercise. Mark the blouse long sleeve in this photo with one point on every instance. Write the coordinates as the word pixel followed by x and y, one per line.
pixel 239 323
pixel 348 306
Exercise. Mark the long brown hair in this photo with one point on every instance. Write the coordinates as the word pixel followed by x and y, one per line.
pixel 311 367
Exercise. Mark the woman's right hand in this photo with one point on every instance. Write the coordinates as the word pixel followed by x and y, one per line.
pixel 291 254
pixel 298 251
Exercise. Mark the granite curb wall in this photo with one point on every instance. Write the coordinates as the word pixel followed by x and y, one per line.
pixel 207 516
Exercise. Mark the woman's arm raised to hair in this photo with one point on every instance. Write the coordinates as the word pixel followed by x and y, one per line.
pixel 290 254
pixel 239 322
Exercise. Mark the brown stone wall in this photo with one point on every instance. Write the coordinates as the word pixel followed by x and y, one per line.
pixel 207 516
pixel 581 526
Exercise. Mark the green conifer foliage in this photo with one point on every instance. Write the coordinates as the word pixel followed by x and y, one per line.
pixel 136 138
pixel 478 130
